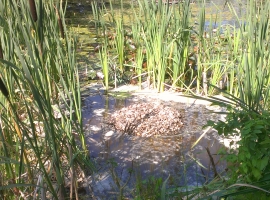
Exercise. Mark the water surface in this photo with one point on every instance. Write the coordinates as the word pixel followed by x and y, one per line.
pixel 159 156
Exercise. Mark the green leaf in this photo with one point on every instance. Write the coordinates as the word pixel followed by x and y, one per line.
pixel 242 157
pixel 256 173
pixel 163 189
pixel 257 131
pixel 248 155
pixel 258 127
pixel 267 141
pixel 263 163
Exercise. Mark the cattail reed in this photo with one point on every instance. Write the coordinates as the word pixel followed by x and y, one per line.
pixel 60 24
pixel 33 9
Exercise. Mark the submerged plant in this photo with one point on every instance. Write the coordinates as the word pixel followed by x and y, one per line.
pixel 149 188
pixel 117 178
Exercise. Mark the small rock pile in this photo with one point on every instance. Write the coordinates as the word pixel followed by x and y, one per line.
pixel 147 119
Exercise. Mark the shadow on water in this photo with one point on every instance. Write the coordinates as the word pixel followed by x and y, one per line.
pixel 154 156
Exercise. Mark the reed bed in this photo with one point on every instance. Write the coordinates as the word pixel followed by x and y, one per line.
pixel 41 133
pixel 176 53
pixel 203 58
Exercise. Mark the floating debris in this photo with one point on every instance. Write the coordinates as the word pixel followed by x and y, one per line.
pixel 147 119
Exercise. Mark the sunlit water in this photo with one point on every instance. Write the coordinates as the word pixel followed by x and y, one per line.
pixel 159 156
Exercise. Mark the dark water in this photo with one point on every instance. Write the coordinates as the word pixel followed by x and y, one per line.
pixel 155 156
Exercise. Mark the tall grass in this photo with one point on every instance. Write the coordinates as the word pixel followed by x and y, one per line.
pixel 41 117
pixel 119 41
pixel 168 38
pixel 159 30
pixel 248 56
pixel 234 58
pixel 165 34
pixel 103 54
pixel 248 106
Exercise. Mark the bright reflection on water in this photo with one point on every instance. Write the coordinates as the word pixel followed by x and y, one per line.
pixel 154 156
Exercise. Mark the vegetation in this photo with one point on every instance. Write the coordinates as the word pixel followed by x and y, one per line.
pixel 158 43
pixel 162 45
pixel 248 109
pixel 149 188
pixel 41 106
pixel 42 143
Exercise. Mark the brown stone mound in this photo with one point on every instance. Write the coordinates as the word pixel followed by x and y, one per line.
pixel 147 119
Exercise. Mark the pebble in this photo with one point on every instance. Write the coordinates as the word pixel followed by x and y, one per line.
pixel 109 134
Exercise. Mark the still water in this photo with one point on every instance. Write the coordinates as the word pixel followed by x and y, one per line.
pixel 160 156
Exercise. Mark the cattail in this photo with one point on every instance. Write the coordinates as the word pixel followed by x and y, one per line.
pixel 33 9
pixel 60 24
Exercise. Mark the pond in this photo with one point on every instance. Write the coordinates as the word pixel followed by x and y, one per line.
pixel 128 158
pixel 156 156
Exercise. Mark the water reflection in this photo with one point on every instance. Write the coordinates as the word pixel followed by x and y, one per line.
pixel 155 156
pixel 217 7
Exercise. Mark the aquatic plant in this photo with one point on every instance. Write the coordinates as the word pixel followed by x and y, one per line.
pixel 151 32
pixel 165 39
pixel 117 178
pixel 103 53
pixel 247 115
pixel 178 54
pixel 149 188
pixel 41 116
